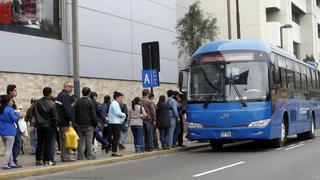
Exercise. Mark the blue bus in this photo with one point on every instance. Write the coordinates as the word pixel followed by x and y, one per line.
pixel 249 90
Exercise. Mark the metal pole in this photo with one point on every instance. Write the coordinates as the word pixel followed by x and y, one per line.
pixel 238 20
pixel 229 19
pixel 281 37
pixel 75 48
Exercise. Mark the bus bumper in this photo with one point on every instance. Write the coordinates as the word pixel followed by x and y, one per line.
pixel 243 133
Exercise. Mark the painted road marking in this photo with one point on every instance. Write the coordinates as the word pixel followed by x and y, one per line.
pixel 219 169
pixel 279 149
pixel 294 147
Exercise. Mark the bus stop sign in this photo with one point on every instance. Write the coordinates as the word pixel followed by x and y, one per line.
pixel 150 78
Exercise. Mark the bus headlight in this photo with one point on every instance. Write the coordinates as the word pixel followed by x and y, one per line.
pixel 259 124
pixel 194 125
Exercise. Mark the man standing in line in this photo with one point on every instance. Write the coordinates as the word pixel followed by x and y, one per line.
pixel 87 121
pixel 149 121
pixel 46 116
pixel 155 134
pixel 66 116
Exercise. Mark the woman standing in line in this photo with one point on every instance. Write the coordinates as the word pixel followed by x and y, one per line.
pixel 136 115
pixel 8 117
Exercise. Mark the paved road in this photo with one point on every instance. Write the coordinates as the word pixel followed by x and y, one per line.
pixel 298 160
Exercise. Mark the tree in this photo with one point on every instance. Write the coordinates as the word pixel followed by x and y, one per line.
pixel 309 58
pixel 195 29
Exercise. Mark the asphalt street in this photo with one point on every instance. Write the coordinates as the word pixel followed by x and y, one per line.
pixel 298 160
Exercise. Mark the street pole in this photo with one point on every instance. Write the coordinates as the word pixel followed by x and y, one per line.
pixel 151 62
pixel 229 20
pixel 75 48
pixel 238 20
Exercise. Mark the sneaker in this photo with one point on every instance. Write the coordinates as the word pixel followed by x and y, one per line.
pixel 116 155
pixel 58 152
pixel 106 149
pixel 91 157
pixel 49 163
pixel 39 163
pixel 6 167
pixel 121 147
pixel 15 165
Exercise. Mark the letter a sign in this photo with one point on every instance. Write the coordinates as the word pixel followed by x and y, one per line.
pixel 150 78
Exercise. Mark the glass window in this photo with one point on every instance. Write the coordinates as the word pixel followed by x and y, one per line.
pixel 314 80
pixel 297 81
pixel 304 82
pixel 309 77
pixel 296 67
pixel 296 13
pixel 283 78
pixel 290 79
pixel 32 17
pixel 282 62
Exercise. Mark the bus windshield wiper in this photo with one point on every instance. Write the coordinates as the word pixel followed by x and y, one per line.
pixel 243 103
pixel 207 102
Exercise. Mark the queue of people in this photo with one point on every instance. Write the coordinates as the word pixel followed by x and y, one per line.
pixel 106 123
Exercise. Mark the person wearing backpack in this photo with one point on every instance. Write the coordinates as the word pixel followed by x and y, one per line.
pixel 136 115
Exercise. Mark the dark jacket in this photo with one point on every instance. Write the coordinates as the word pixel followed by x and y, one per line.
pixel 163 118
pixel 64 108
pixel 86 112
pixel 124 109
pixel 101 114
pixel 45 113
pixel 30 116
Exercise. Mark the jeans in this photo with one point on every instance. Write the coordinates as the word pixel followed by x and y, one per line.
pixel 155 137
pixel 85 134
pixel 45 139
pixel 17 145
pixel 171 131
pixel 99 138
pixel 180 139
pixel 33 139
pixel 114 135
pixel 8 144
pixel 138 136
pixel 164 137
pixel 123 133
pixel 148 132
pixel 176 133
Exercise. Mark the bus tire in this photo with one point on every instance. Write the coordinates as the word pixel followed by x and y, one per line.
pixel 279 142
pixel 216 145
pixel 310 134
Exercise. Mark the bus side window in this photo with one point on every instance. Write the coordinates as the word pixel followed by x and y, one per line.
pixel 314 80
pixel 290 79
pixel 309 76
pixel 297 81
pixel 283 78
pixel 304 82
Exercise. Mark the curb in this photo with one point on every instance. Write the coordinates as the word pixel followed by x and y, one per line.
pixel 79 164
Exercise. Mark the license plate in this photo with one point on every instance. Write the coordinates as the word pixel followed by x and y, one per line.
pixel 225 134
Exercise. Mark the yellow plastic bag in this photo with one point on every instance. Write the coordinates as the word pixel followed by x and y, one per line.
pixel 71 140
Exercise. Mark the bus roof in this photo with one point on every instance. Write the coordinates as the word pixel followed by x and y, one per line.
pixel 229 45
pixel 255 45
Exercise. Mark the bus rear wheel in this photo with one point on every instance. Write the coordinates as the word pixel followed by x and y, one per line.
pixel 216 145
pixel 310 134
pixel 279 142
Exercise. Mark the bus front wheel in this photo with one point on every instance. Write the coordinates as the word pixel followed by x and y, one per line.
pixel 279 142
pixel 216 145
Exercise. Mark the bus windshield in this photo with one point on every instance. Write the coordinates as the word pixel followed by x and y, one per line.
pixel 215 81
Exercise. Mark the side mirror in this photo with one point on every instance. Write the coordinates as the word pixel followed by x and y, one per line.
pixel 183 80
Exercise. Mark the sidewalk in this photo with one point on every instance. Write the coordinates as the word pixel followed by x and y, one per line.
pixel 29 169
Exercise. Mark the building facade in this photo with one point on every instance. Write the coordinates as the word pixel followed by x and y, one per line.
pixel 36 44
pixel 263 19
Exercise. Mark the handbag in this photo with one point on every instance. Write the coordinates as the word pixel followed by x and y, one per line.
pixel 71 138
pixel 23 127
